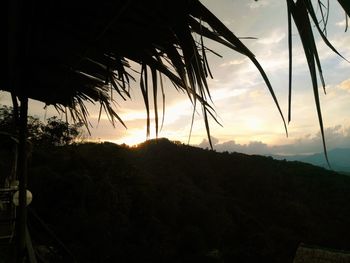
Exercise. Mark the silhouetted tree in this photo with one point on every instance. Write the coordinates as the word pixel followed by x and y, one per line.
pixel 58 132
pixel 54 132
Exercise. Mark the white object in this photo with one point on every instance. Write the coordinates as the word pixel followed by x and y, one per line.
pixel 15 198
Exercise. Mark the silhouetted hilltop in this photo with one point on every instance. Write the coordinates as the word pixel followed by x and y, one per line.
pixel 168 202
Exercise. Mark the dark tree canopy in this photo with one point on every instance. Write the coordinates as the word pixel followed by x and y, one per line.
pixel 120 204
pixel 54 132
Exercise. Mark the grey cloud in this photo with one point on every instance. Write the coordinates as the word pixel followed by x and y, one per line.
pixel 254 147
pixel 336 137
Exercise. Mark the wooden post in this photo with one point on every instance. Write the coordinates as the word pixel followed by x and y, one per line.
pixel 21 220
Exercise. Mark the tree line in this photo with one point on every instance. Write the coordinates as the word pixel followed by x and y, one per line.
pixel 168 202
pixel 53 131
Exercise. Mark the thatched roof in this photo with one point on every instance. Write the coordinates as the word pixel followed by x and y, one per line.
pixel 68 52
pixel 313 254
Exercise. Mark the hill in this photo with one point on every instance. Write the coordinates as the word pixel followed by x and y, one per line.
pixel 339 159
pixel 167 202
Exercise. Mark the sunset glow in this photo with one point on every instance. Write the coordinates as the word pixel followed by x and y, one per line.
pixel 241 100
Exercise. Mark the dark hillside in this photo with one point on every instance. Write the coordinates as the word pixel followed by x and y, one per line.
pixel 167 202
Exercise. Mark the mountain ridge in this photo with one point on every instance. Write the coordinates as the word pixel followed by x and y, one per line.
pixel 169 202
pixel 339 159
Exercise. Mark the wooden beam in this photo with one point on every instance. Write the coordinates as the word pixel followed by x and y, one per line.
pixel 21 220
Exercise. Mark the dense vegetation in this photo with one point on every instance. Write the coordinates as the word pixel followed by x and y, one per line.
pixel 52 132
pixel 167 202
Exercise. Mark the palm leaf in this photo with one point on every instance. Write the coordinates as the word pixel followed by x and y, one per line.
pixel 346 6
pixel 204 14
pixel 290 53
pixel 299 12
pixel 68 57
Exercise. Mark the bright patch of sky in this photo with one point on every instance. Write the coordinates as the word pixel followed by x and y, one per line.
pixel 250 120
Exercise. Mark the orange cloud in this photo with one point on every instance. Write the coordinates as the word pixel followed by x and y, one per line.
pixel 345 85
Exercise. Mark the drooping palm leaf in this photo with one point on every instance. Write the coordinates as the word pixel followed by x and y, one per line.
pixel 301 11
pixel 346 6
pixel 77 51
pixel 290 53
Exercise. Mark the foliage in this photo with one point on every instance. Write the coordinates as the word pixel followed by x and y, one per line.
pixel 53 132
pixel 165 202
pixel 58 132
pixel 71 57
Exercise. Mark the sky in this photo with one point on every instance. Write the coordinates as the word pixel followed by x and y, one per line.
pixel 250 120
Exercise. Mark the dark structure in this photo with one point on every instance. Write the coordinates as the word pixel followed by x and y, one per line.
pixel 313 254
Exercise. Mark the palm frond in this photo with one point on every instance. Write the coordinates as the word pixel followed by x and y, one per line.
pixel 73 52
pixel 302 11
pixel 346 6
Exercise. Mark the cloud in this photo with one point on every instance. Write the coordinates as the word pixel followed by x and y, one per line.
pixel 253 147
pixel 227 93
pixel 258 4
pixel 274 37
pixel 345 85
pixel 233 62
pixel 341 23
pixel 336 137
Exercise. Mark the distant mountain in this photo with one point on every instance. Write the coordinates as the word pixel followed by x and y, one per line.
pixel 339 159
